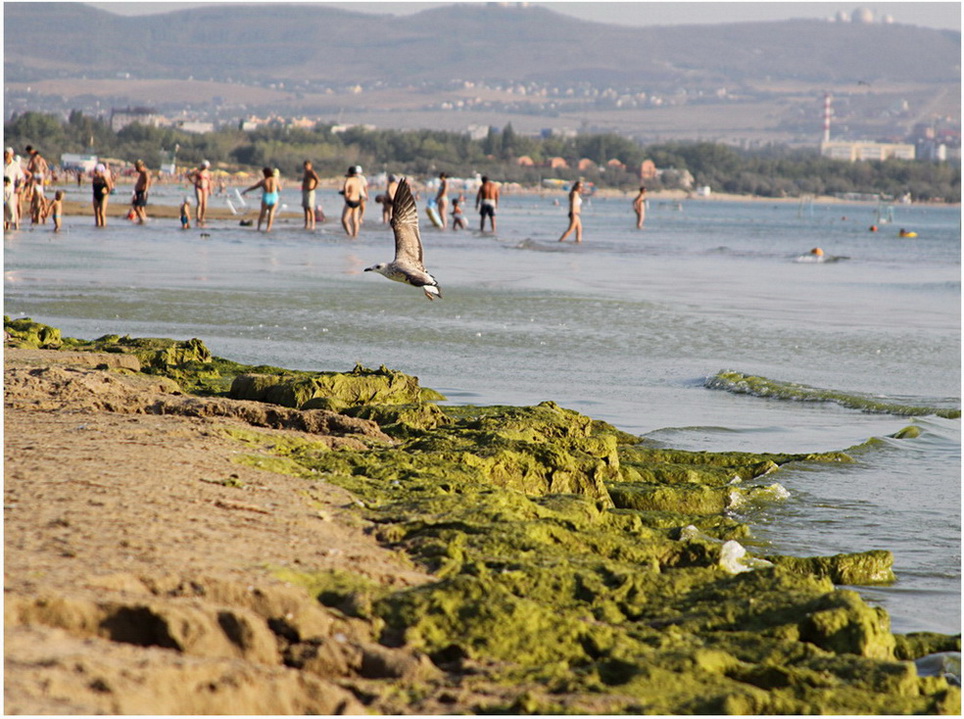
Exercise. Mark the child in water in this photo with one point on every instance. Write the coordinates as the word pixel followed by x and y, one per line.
pixel 458 220
pixel 185 215
pixel 8 200
pixel 56 209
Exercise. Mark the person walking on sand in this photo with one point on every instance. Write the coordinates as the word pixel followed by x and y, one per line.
pixel 201 177
pixel 309 186
pixel 575 209
pixel 101 187
pixel 354 191
pixel 141 188
pixel 270 185
pixel 441 198
pixel 486 202
pixel 639 205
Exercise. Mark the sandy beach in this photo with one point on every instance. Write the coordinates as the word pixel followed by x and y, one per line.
pixel 113 515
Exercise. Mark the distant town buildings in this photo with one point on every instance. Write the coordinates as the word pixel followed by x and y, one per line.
pixel 854 151
pixel 121 118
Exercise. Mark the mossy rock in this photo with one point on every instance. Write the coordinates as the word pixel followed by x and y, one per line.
pixel 919 644
pixel 27 334
pixel 685 499
pixel 862 568
pixel 334 391
pixel 402 421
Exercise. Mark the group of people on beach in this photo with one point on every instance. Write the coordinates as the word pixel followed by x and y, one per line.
pixel 24 188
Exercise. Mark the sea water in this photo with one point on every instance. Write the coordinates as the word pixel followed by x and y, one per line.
pixel 626 327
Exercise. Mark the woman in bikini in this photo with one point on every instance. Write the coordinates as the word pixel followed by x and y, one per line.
pixel 575 209
pixel 270 185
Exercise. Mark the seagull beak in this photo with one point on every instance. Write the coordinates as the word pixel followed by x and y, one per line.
pixel 369 269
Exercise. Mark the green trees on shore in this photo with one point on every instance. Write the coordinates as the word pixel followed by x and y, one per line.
pixel 772 172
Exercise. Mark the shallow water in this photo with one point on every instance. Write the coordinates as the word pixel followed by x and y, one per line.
pixel 624 328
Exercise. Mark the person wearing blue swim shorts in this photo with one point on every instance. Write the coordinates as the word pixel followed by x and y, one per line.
pixel 270 186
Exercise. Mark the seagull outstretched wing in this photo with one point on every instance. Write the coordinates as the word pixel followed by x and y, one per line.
pixel 408 242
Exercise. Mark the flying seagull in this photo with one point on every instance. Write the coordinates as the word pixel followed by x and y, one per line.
pixel 407 266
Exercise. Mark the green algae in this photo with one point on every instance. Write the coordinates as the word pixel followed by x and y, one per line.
pixel 333 391
pixel 349 593
pixel 575 562
pixel 862 568
pixel 740 383
pixel 25 333
pixel 919 644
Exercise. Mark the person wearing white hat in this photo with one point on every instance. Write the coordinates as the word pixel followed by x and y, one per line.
pixel 101 187
pixel 364 195
pixel 201 177
pixel 353 191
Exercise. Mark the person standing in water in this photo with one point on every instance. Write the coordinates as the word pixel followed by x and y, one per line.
pixel 364 195
pixel 388 199
pixel 353 191
pixel 101 187
pixel 270 195
pixel 441 198
pixel 141 187
pixel 309 184
pixel 575 210
pixel 639 205
pixel 37 169
pixel 201 177
pixel 486 202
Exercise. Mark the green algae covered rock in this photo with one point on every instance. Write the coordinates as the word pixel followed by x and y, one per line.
pixel 401 421
pixel 333 390
pixel 864 568
pixel 161 356
pixel 920 644
pixel 25 333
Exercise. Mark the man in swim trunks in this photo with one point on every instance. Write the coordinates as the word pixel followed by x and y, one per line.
pixel 309 184
pixel 354 191
pixel 201 177
pixel 36 174
pixel 141 187
pixel 486 202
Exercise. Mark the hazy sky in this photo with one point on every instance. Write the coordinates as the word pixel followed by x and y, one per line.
pixel 940 15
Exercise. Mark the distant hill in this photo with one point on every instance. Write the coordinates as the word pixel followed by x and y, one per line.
pixel 292 43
